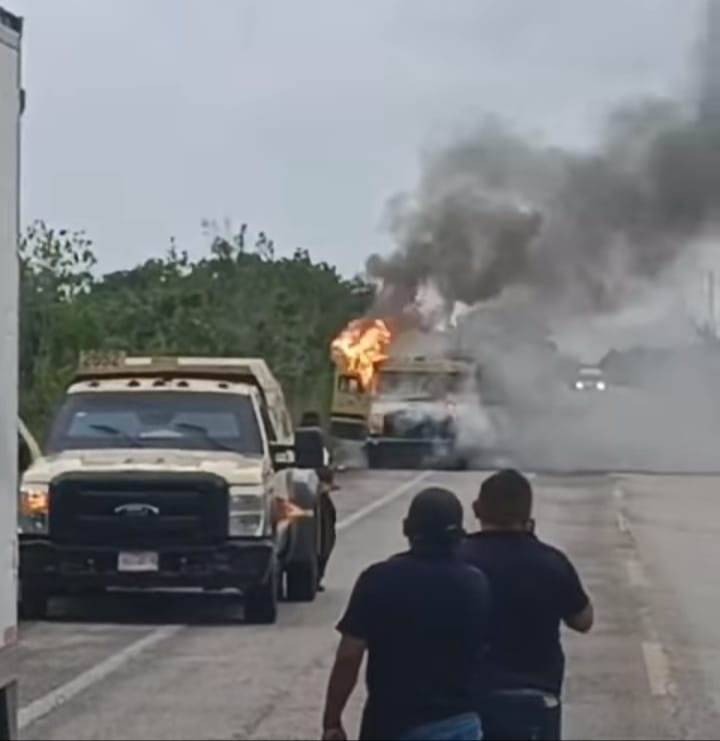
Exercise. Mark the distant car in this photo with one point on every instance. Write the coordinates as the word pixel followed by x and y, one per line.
pixel 590 378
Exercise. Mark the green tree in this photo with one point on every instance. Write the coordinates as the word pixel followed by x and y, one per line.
pixel 55 273
pixel 237 300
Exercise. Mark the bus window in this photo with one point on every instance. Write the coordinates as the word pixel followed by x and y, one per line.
pixel 349 384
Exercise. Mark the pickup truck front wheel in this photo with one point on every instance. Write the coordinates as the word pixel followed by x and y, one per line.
pixel 261 602
pixel 303 580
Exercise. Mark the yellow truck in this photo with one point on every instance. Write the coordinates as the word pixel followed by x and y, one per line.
pixel 179 472
pixel 408 415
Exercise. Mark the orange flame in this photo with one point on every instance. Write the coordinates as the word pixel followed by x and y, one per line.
pixel 360 347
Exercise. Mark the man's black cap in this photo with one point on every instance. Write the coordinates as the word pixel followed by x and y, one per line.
pixel 436 515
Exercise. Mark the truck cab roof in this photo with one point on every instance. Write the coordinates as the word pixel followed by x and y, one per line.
pixel 104 365
pixel 159 383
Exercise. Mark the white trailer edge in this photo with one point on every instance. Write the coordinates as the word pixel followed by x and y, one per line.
pixel 11 104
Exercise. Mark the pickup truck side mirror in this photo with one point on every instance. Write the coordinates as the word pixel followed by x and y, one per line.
pixel 283 456
pixel 25 457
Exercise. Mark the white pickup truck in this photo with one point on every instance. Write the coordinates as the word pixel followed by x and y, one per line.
pixel 10 110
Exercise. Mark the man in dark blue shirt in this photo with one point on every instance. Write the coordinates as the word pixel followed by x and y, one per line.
pixel 421 617
pixel 535 589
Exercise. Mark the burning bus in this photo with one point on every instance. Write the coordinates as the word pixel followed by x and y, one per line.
pixel 400 411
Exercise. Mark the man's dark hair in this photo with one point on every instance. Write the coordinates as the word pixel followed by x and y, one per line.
pixel 506 500
pixel 435 518
pixel 310 419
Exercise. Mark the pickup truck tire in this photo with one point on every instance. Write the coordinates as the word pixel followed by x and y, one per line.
pixel 261 602
pixel 33 605
pixel 8 710
pixel 374 458
pixel 303 580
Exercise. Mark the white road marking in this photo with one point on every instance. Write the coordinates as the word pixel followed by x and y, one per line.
pixel 68 691
pixel 622 523
pixel 63 694
pixel 390 497
pixel 619 493
pixel 636 574
pixel 657 666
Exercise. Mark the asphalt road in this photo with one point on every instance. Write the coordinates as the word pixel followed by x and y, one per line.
pixel 185 666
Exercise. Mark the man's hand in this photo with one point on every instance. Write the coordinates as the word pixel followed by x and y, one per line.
pixel 334 734
pixel 343 679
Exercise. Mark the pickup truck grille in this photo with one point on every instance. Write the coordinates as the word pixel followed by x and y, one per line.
pixel 138 511
pixel 409 426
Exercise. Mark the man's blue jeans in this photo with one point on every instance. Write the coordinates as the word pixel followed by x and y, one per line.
pixel 459 728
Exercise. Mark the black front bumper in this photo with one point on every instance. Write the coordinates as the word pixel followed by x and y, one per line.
pixel 407 451
pixel 55 569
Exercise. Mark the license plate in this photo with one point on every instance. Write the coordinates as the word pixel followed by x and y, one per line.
pixel 138 562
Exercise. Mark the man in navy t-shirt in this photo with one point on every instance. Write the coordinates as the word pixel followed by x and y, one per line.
pixel 421 617
pixel 535 589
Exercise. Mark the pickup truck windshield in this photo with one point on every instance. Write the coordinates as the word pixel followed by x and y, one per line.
pixel 416 385
pixel 185 421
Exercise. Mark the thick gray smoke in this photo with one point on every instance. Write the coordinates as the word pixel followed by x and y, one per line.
pixel 496 209
pixel 565 257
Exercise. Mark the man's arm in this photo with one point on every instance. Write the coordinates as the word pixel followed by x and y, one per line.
pixel 343 681
pixel 578 612
pixel 355 629
pixel 582 622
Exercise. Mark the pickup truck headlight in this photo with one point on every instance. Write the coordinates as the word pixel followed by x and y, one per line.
pixel 248 515
pixel 376 423
pixel 34 509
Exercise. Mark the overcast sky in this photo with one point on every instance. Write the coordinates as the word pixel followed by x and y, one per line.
pixel 302 117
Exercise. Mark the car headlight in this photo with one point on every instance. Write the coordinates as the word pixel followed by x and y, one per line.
pixel 601 386
pixel 579 385
pixel 376 423
pixel 248 515
pixel 34 509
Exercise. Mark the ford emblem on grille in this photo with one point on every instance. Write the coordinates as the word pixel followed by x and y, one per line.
pixel 137 510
